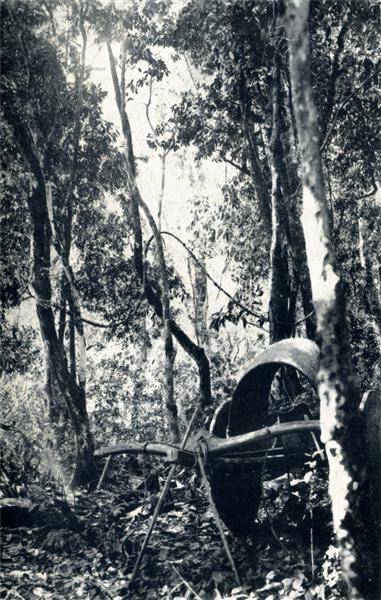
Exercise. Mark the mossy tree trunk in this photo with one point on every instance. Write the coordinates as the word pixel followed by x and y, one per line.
pixel 290 278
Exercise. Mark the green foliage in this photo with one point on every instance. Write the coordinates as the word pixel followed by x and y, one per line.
pixel 26 448
pixel 18 348
pixel 14 226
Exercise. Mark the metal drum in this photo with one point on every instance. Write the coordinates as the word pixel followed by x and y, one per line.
pixel 236 481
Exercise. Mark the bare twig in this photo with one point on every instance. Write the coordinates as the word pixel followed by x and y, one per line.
pixel 242 168
pixel 13 591
pixel 163 158
pixel 189 587
pixel 190 72
pixel 217 285
pixel 312 546
pixel 104 472
pixel 299 321
pixel 148 105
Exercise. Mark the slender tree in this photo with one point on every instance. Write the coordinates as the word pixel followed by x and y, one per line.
pixel 62 229
pixel 160 306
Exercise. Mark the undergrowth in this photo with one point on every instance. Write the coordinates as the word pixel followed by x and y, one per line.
pixel 86 546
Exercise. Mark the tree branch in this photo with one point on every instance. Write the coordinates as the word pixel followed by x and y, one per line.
pixel 148 105
pixel 120 101
pixel 168 341
pixel 163 155
pixel 256 171
pixel 260 316
pixel 190 72
pixel 242 168
pixel 46 303
pixel 343 105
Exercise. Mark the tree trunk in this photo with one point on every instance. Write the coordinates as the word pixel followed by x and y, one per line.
pixel 62 309
pixel 285 210
pixel 279 317
pixel 341 420
pixel 58 375
pixel 188 345
pixel 73 362
pixel 288 252
pixel 62 240
pixel 197 275
pixel 170 402
pixel 255 168
pixel 279 280
pixel 63 388
pixel 136 201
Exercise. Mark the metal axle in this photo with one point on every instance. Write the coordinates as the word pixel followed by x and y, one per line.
pixel 213 445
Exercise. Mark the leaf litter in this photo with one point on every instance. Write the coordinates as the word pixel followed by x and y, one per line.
pixel 184 559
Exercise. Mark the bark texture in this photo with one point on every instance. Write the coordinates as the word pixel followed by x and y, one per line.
pixel 281 307
pixel 289 240
pixel 62 387
pixel 170 402
pixel 199 283
pixel 341 420
pixel 62 231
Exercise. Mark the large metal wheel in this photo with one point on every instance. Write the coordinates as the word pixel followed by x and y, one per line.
pixel 237 488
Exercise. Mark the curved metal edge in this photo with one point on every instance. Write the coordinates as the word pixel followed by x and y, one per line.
pixel 250 405
pixel 301 353
pixel 255 383
pixel 220 419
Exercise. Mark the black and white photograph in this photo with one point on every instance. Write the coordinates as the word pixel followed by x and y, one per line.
pixel 190 296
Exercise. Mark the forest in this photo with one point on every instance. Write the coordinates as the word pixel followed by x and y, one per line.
pixel 190 300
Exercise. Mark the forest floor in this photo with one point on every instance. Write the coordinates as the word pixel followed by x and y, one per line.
pixel 86 548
